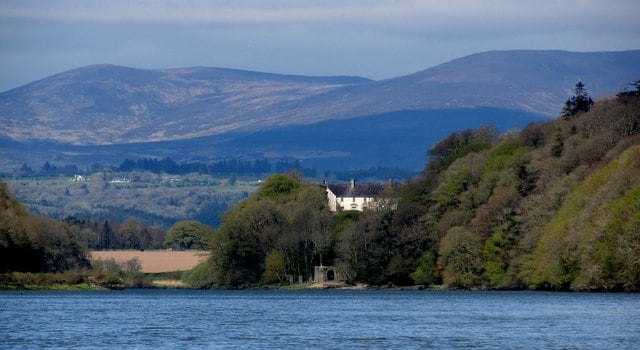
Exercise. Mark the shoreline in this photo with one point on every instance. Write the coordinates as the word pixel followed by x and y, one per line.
pixel 88 282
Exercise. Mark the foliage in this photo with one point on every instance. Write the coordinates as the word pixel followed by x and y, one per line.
pixel 283 229
pixel 579 102
pixel 189 234
pixel 275 270
pixel 425 268
pixel 33 244
pixel 460 256
pixel 278 184
pixel 631 93
pixel 228 166
pixel 565 257
pixel 458 145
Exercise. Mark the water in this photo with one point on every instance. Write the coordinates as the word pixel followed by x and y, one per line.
pixel 169 319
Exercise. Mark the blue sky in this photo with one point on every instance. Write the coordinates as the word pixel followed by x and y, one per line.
pixel 377 39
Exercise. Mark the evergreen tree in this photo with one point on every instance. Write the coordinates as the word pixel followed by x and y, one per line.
pixel 636 92
pixel 579 102
pixel 105 236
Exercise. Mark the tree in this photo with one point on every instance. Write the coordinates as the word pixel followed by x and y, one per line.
pixel 461 258
pixel 189 234
pixel 274 268
pixel 424 271
pixel 107 237
pixel 130 234
pixel 628 92
pixel 558 145
pixel 579 102
pixel 278 184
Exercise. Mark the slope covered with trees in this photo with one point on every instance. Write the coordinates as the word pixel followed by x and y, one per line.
pixel 30 243
pixel 555 206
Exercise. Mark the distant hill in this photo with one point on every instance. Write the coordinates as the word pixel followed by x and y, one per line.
pixel 106 104
pixel 533 81
pixel 222 113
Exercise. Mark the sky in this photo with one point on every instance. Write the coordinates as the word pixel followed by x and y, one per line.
pixel 377 39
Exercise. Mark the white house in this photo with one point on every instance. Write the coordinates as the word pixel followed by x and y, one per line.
pixel 358 197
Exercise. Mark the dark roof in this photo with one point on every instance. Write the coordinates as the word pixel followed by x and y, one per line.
pixel 360 190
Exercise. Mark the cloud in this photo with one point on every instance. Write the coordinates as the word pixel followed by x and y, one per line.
pixel 304 11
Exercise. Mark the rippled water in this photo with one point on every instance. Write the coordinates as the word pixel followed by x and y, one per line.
pixel 318 319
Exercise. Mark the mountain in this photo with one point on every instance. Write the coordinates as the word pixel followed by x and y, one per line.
pixel 106 104
pixel 533 81
pixel 221 113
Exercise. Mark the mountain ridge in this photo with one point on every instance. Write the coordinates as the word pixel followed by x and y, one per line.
pixel 108 104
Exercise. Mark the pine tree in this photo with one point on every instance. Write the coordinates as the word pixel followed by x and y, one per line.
pixel 579 102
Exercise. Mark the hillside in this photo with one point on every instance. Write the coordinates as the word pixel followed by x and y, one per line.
pixel 555 206
pixel 530 81
pixel 106 104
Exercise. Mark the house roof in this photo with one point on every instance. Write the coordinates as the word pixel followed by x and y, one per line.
pixel 359 190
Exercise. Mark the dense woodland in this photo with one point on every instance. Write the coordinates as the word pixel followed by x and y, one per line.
pixel 555 206
pixel 33 243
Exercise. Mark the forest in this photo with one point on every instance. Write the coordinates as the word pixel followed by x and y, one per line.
pixel 555 206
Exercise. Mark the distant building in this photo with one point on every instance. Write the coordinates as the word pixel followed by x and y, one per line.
pixel 120 181
pixel 358 197
pixel 327 274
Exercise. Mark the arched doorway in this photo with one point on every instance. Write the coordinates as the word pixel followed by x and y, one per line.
pixel 331 276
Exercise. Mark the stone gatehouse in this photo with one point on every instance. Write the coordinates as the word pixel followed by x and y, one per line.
pixel 326 274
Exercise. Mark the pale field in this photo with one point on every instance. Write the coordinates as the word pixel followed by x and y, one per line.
pixel 155 261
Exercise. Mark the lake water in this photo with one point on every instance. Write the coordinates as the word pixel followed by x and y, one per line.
pixel 190 319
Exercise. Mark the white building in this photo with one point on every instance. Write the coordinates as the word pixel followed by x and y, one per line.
pixel 355 197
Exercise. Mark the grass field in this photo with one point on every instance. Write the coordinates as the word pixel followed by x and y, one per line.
pixel 155 261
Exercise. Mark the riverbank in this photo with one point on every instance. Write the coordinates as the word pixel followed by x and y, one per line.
pixel 91 280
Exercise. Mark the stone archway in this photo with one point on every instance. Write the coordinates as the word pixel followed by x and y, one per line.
pixel 331 275
pixel 322 274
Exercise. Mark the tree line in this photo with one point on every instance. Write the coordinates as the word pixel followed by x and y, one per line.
pixel 222 167
pixel 246 167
